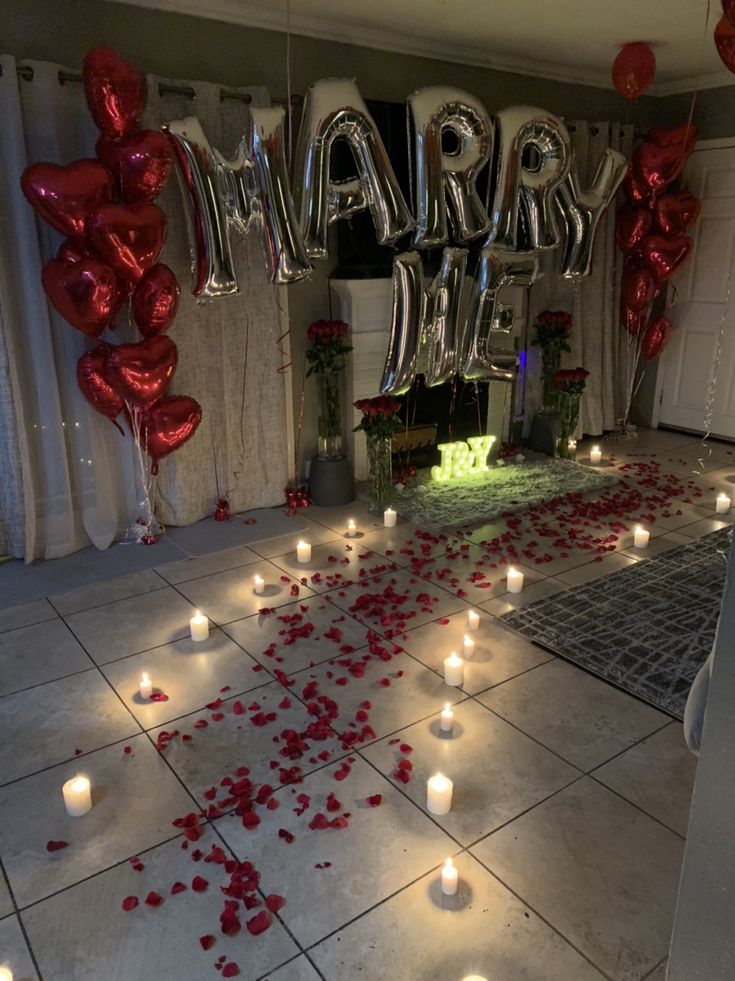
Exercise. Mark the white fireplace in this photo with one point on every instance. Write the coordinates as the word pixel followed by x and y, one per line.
pixel 365 304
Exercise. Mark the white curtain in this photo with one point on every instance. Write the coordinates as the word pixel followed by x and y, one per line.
pixel 598 343
pixel 68 478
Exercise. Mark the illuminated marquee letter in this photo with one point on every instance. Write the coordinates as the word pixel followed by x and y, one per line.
pixel 463 459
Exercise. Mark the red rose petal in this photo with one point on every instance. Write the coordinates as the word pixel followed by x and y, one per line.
pixel 130 902
pixel 206 941
pixel 230 970
pixel 153 899
pixel 56 846
pixel 375 800
pixel 177 887
pixel 259 923
pixel 199 884
pixel 273 903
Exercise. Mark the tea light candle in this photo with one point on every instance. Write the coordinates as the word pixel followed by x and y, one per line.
pixel 469 648
pixel 595 455
pixel 77 796
pixel 303 552
pixel 199 627
pixel 473 620
pixel 446 722
pixel 515 580
pixel 453 670
pixel 723 504
pixel 351 529
pixel 439 794
pixel 258 584
pixel 6 974
pixel 146 686
pixel 389 518
pixel 640 537
pixel 450 878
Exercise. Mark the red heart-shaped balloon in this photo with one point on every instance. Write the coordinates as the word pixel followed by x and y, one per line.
pixel 141 164
pixel 130 239
pixel 676 212
pixel 656 338
pixel 116 92
pixel 86 293
pixel 657 165
pixel 167 425
pixel 684 135
pixel 635 189
pixel 631 227
pixel 725 42
pixel 638 288
pixel 155 300
pixel 64 196
pixel 632 320
pixel 142 372
pixel 94 387
pixel 663 256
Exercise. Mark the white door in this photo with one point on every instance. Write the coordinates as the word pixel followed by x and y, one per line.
pixel 704 289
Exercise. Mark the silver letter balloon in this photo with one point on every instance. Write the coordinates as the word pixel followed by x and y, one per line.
pixel 334 109
pixel 251 189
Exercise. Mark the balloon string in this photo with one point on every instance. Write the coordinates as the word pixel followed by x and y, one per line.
pixel 288 84
pixel 709 408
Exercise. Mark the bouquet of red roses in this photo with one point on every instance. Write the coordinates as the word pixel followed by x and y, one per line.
pixel 328 348
pixel 379 416
pixel 553 327
pixel 570 381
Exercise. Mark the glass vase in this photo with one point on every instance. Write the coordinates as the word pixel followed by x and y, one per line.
pixel 550 393
pixel 379 454
pixel 329 423
pixel 566 442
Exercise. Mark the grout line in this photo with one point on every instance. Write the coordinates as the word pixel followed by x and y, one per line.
pixel 16 911
pixel 541 917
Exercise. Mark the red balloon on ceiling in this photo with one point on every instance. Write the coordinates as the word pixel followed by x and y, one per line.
pixel 725 42
pixel 633 69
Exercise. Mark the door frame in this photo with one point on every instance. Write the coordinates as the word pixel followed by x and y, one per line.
pixel 721 143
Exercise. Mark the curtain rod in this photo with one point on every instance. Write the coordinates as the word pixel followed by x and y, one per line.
pixel 26 73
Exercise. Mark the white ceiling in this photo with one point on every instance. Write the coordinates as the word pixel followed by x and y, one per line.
pixel 567 40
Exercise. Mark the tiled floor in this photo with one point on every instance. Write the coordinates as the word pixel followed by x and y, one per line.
pixel 570 797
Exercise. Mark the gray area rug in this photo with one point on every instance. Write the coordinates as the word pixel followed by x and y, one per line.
pixel 436 505
pixel 647 629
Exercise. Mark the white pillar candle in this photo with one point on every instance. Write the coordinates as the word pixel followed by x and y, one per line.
pixel 468 648
pixel 6 974
pixel 199 626
pixel 77 796
pixel 389 518
pixel 439 794
pixel 515 580
pixel 453 670
pixel 146 686
pixel 303 552
pixel 258 584
pixel 450 878
pixel 473 620
pixel 723 504
pixel 595 455
pixel 446 722
pixel 640 537
pixel 351 529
